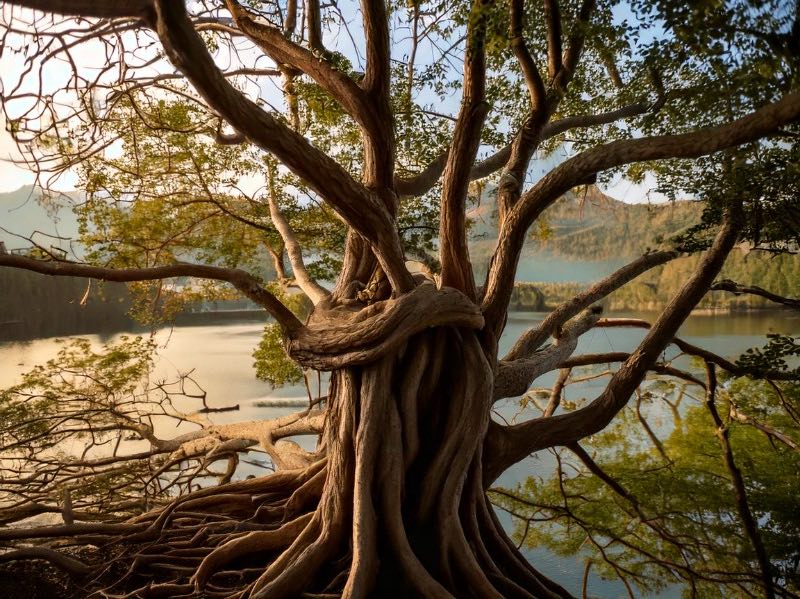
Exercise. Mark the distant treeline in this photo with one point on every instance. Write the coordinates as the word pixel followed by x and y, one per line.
pixel 779 274
pixel 34 305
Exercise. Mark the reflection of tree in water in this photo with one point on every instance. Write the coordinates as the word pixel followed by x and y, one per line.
pixel 671 493
pixel 41 306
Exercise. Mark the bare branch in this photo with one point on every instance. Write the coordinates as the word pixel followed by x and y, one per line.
pixel 556 392
pixel 735 414
pixel 737 289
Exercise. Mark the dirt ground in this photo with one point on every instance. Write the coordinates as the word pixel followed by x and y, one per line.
pixel 35 580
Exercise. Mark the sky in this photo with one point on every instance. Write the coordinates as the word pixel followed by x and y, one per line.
pixel 13 176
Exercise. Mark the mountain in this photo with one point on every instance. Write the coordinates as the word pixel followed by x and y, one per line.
pixel 589 225
pixel 26 213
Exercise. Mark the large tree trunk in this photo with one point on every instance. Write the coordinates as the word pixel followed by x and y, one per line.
pixel 403 510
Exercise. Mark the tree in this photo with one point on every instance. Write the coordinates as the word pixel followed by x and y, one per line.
pixel 393 502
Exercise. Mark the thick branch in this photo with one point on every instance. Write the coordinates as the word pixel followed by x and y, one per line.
pixel 91 8
pixel 508 445
pixel 585 166
pixel 572 54
pixel 527 139
pixel 337 337
pixel 515 377
pixel 552 17
pixel 62 561
pixel 379 146
pixel 591 120
pixel 530 71
pixel 353 202
pixel 240 279
pixel 314 25
pixel 454 254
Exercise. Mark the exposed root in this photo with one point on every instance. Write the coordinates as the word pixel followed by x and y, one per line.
pixel 62 561
pixel 397 507
pixel 251 543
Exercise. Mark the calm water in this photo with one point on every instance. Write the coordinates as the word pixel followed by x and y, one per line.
pixel 220 355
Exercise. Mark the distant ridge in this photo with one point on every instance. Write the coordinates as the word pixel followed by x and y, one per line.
pixel 589 226
pixel 23 214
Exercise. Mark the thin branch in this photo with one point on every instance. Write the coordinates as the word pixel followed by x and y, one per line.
pixel 739 489
pixel 557 392
pixel 737 289
pixel 735 414
pixel 305 281
pixel 699 352
pixel 533 339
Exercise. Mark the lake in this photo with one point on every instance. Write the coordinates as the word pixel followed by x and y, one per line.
pixel 220 355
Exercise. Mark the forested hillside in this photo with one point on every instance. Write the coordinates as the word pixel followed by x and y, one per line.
pixel 42 306
pixel 589 226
